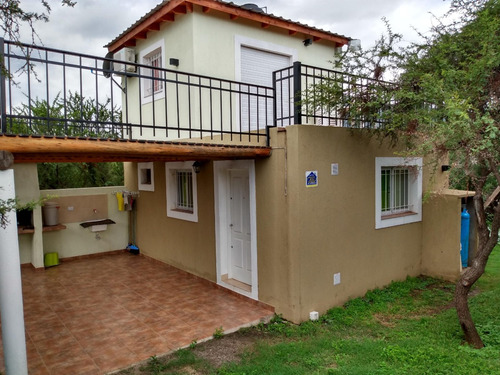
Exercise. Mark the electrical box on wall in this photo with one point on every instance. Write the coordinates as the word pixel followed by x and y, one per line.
pixel 336 279
pixel 335 169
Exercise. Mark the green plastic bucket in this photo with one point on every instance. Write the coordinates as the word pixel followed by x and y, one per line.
pixel 51 259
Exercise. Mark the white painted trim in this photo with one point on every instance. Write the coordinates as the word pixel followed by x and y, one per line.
pixel 244 41
pixel 171 185
pixel 221 191
pixel 143 53
pixel 415 191
pixel 146 186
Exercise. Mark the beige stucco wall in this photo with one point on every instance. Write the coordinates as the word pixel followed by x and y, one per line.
pixel 327 229
pixel 74 240
pixel 78 241
pixel 205 44
pixel 306 235
pixel 214 43
pixel 441 237
pixel 187 245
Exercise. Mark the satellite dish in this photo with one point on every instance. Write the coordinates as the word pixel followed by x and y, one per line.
pixel 107 65
pixel 253 7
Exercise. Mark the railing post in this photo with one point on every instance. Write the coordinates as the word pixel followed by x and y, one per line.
pixel 3 99
pixel 275 111
pixel 297 89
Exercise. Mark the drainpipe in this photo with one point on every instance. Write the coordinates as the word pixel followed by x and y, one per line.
pixel 11 296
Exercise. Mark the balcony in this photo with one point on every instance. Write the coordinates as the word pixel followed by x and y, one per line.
pixel 115 105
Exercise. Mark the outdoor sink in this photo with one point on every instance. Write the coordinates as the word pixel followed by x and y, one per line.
pixel 97 225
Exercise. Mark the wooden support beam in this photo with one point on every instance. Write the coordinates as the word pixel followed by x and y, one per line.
pixel 205 9
pixel 162 14
pixel 130 43
pixel 292 32
pixel 52 149
pixel 316 39
pixel 233 16
pixel 492 197
pixel 264 25
pixel 170 17
pixel 141 35
pixel 237 11
pixel 154 27
pixel 181 9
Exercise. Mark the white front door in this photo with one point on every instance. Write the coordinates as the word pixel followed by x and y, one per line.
pixel 240 265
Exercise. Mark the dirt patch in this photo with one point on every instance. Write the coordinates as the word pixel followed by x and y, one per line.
pixel 228 348
pixel 216 352
pixel 387 320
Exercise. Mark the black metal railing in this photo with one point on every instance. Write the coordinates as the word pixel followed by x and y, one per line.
pixel 44 91
pixel 54 92
pixel 311 95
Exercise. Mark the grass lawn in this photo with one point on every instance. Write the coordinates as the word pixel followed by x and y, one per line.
pixel 409 327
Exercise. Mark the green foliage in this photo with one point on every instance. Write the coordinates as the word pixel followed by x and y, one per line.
pixel 6 206
pixel 154 366
pixel 9 205
pixel 170 365
pixel 78 175
pixel 71 115
pixel 193 344
pixel 14 16
pixel 218 333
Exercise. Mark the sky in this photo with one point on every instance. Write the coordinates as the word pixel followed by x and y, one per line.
pixel 91 24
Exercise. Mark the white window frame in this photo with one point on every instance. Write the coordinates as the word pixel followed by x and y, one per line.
pixel 414 214
pixel 173 210
pixel 143 170
pixel 146 83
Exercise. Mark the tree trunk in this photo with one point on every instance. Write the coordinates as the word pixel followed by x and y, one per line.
pixel 464 284
pixel 486 244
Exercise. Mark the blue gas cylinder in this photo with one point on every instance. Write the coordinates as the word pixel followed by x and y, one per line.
pixel 464 238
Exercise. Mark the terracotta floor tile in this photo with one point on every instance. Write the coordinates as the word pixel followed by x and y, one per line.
pixel 97 315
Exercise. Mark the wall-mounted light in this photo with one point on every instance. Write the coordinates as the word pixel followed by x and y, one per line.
pixel 174 62
pixel 445 168
pixel 307 42
pixel 197 167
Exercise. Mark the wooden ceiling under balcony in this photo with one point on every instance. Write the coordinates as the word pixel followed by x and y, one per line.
pixel 39 149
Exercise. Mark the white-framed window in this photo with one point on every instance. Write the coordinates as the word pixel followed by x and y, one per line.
pixel 182 194
pixel 398 191
pixel 151 80
pixel 146 176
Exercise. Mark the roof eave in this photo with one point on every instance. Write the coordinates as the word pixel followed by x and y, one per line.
pixel 166 12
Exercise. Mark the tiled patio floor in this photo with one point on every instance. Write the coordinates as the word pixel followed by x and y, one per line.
pixel 97 315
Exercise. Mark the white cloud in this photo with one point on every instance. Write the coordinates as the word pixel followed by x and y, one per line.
pixel 91 24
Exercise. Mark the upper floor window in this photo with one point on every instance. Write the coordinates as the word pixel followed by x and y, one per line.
pixel 152 79
pixel 398 191
pixel 154 84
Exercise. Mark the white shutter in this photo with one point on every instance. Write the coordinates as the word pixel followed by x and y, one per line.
pixel 257 67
